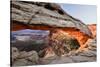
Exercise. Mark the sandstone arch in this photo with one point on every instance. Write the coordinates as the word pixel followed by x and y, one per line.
pixel 35 15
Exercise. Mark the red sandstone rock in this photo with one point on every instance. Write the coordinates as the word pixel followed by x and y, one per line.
pixel 92 27
pixel 80 36
pixel 62 42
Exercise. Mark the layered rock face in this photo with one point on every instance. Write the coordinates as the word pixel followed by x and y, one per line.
pixel 39 13
pixel 92 27
pixel 23 58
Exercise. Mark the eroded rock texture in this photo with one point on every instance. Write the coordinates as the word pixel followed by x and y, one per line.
pixel 62 42
pixel 23 58
pixel 49 14
pixel 67 34
pixel 93 29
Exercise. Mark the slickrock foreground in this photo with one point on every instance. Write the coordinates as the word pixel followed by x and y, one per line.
pixel 88 54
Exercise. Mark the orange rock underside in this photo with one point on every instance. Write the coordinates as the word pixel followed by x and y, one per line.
pixel 81 37
pixel 92 27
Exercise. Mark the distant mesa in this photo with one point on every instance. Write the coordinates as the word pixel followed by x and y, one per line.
pixel 27 34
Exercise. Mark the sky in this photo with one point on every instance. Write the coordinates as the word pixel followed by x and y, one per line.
pixel 85 13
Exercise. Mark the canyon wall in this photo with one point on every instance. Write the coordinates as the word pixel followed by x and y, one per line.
pixel 93 29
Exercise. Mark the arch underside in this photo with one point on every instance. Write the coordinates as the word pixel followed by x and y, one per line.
pixel 81 37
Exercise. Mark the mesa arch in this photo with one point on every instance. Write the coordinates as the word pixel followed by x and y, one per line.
pixel 80 36
pixel 47 16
